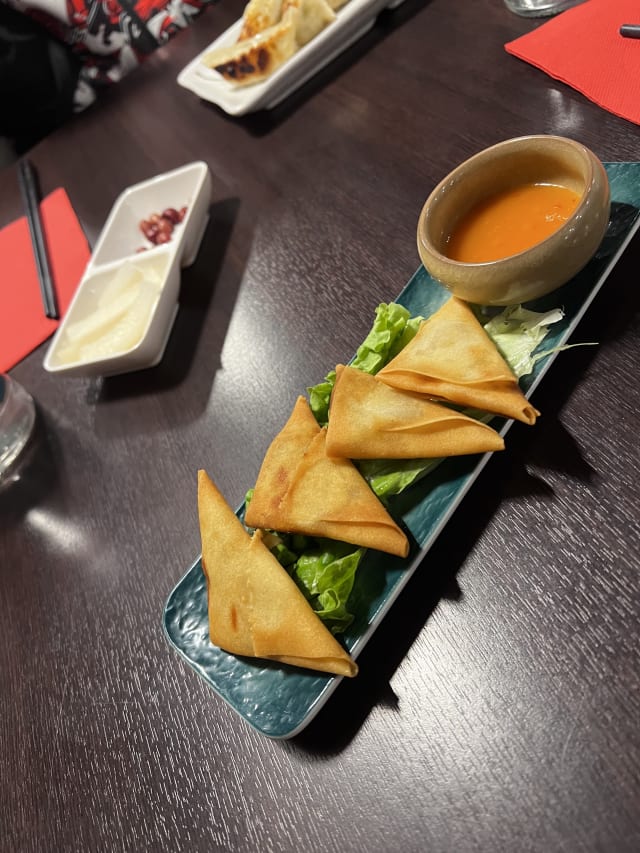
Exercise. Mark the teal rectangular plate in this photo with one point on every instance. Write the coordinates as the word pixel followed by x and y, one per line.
pixel 278 700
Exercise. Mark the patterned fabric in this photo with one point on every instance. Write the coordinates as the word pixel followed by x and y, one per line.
pixel 110 38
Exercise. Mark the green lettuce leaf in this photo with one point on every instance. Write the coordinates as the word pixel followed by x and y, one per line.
pixel 391 476
pixel 326 575
pixel 323 569
pixel 392 330
pixel 319 396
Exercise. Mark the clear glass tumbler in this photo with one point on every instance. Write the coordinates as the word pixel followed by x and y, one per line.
pixel 17 419
pixel 539 8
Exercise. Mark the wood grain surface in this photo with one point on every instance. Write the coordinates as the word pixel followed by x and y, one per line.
pixel 497 709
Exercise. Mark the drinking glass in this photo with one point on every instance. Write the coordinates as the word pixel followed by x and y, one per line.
pixel 17 419
pixel 539 8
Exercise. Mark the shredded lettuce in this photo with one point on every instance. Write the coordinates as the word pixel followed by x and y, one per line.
pixel 517 333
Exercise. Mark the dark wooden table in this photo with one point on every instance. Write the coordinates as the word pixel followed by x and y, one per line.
pixel 497 708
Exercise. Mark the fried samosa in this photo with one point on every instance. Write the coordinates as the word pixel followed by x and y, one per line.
pixel 255 608
pixel 452 358
pixel 371 420
pixel 300 489
pixel 278 467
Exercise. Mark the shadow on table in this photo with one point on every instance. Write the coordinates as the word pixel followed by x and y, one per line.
pixel 264 121
pixel 198 288
pixel 436 579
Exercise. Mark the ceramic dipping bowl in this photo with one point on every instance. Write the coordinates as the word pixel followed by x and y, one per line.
pixel 545 265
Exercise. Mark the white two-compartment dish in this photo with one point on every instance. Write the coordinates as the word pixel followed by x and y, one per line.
pixel 352 21
pixel 123 310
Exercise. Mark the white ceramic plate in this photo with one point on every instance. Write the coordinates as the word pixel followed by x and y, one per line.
pixel 352 21
pixel 118 245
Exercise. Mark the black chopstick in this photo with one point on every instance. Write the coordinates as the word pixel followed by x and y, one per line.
pixel 31 196
pixel 630 31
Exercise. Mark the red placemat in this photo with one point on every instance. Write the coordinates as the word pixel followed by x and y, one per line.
pixel 23 325
pixel 583 48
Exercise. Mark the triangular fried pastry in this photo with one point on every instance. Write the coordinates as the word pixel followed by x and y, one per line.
pixel 255 608
pixel 255 58
pixel 329 497
pixel 371 420
pixel 452 358
pixel 302 490
pixel 278 467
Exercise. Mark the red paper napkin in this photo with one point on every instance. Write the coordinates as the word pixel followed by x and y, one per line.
pixel 583 47
pixel 23 325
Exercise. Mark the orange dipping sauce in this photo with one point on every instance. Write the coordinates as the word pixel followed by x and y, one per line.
pixel 510 222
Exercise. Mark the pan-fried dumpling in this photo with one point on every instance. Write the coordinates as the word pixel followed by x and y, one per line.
pixel 255 608
pixel 258 16
pixel 371 420
pixel 272 31
pixel 300 489
pixel 256 58
pixel 313 17
pixel 453 358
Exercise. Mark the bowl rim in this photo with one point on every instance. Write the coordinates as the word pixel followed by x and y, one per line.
pixel 590 160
